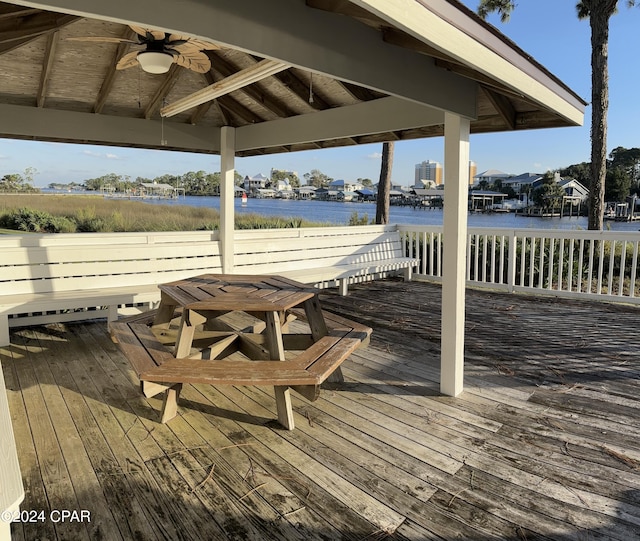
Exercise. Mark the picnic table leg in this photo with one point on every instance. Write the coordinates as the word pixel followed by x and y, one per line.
pixel 318 326
pixel 273 334
pixel 170 402
pixel 165 312
pixel 190 319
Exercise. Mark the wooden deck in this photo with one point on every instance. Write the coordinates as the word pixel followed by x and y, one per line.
pixel 543 444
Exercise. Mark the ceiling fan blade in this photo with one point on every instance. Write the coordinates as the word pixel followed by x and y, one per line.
pixel 129 60
pixel 195 43
pixel 147 33
pixel 101 39
pixel 196 61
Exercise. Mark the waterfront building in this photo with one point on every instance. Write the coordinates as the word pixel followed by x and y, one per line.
pixel 428 171
pixel 490 176
pixel 255 183
pixel 341 185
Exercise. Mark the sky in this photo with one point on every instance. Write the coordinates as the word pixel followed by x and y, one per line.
pixel 548 30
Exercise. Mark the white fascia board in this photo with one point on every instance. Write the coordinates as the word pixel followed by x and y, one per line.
pixel 414 17
pixel 377 116
pixel 55 125
pixel 289 31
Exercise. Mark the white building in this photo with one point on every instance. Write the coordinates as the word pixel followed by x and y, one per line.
pixel 428 171
pixel 257 182
pixel 490 176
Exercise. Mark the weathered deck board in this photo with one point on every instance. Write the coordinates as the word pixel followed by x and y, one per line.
pixel 543 444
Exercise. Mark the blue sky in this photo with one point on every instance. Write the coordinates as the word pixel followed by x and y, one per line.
pixel 546 29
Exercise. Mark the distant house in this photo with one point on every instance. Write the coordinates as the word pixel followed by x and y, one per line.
pixel 520 183
pixel 574 189
pixel 257 182
pixel 160 190
pixel 306 192
pixel 490 176
pixel 325 194
pixel 366 194
pixel 341 185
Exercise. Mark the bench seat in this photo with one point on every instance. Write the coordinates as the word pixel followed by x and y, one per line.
pixel 58 306
pixel 342 274
pixel 159 371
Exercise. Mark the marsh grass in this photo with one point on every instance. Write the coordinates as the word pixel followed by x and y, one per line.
pixel 92 213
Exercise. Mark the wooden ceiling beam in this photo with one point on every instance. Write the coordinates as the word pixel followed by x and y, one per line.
pixel 156 102
pixel 255 92
pixel 301 89
pixel 110 77
pixel 202 109
pixel 15 34
pixel 247 76
pixel 10 11
pixel 32 26
pixel 235 107
pixel 358 92
pixel 503 107
pixel 47 64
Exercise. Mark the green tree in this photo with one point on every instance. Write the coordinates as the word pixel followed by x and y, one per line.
pixel 629 160
pixel 549 194
pixel 599 13
pixel 15 182
pixel 384 184
pixel 580 172
pixel 281 174
pixel 617 184
pixel 317 178
pixel 366 182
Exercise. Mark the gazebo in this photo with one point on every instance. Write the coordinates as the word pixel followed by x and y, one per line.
pixel 284 76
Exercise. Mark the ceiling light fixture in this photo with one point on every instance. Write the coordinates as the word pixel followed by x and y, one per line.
pixel 155 62
pixel 243 78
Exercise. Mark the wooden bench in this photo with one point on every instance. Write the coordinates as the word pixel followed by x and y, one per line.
pixel 334 256
pixel 150 354
pixel 11 488
pixel 71 277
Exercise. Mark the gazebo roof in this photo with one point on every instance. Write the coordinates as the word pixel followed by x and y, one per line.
pixel 344 72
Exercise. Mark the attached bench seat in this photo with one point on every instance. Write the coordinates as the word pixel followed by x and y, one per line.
pixel 343 274
pixel 326 256
pixel 159 371
pixel 74 277
pixel 59 306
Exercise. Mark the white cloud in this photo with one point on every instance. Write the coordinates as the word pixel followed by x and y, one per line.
pixel 93 154
pixel 374 156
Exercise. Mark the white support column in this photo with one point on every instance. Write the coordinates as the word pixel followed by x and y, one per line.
pixel 227 169
pixel 456 191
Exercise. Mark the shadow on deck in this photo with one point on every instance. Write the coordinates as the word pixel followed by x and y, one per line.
pixel 543 444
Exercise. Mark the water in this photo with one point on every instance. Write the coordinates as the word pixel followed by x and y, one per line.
pixel 339 213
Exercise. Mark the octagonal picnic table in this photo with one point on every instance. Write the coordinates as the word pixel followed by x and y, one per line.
pixel 242 321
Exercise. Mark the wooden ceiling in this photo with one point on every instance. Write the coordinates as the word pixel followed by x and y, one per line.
pixel 42 69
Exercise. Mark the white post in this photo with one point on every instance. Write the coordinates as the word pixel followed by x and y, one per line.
pixel 227 169
pixel 456 192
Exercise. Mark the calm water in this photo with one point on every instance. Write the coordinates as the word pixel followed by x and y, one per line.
pixel 339 213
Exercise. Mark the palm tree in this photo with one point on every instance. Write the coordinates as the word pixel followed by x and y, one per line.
pixel 384 185
pixel 598 12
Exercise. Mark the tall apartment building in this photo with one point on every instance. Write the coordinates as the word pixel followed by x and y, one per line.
pixel 473 171
pixel 428 170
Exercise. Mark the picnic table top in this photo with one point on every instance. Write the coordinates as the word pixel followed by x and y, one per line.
pixel 249 293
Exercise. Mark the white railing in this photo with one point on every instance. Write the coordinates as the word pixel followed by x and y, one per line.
pixel 588 264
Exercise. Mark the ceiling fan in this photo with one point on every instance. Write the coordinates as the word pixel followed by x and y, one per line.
pixel 160 50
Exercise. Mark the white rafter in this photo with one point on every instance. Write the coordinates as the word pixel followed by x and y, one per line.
pixel 245 77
